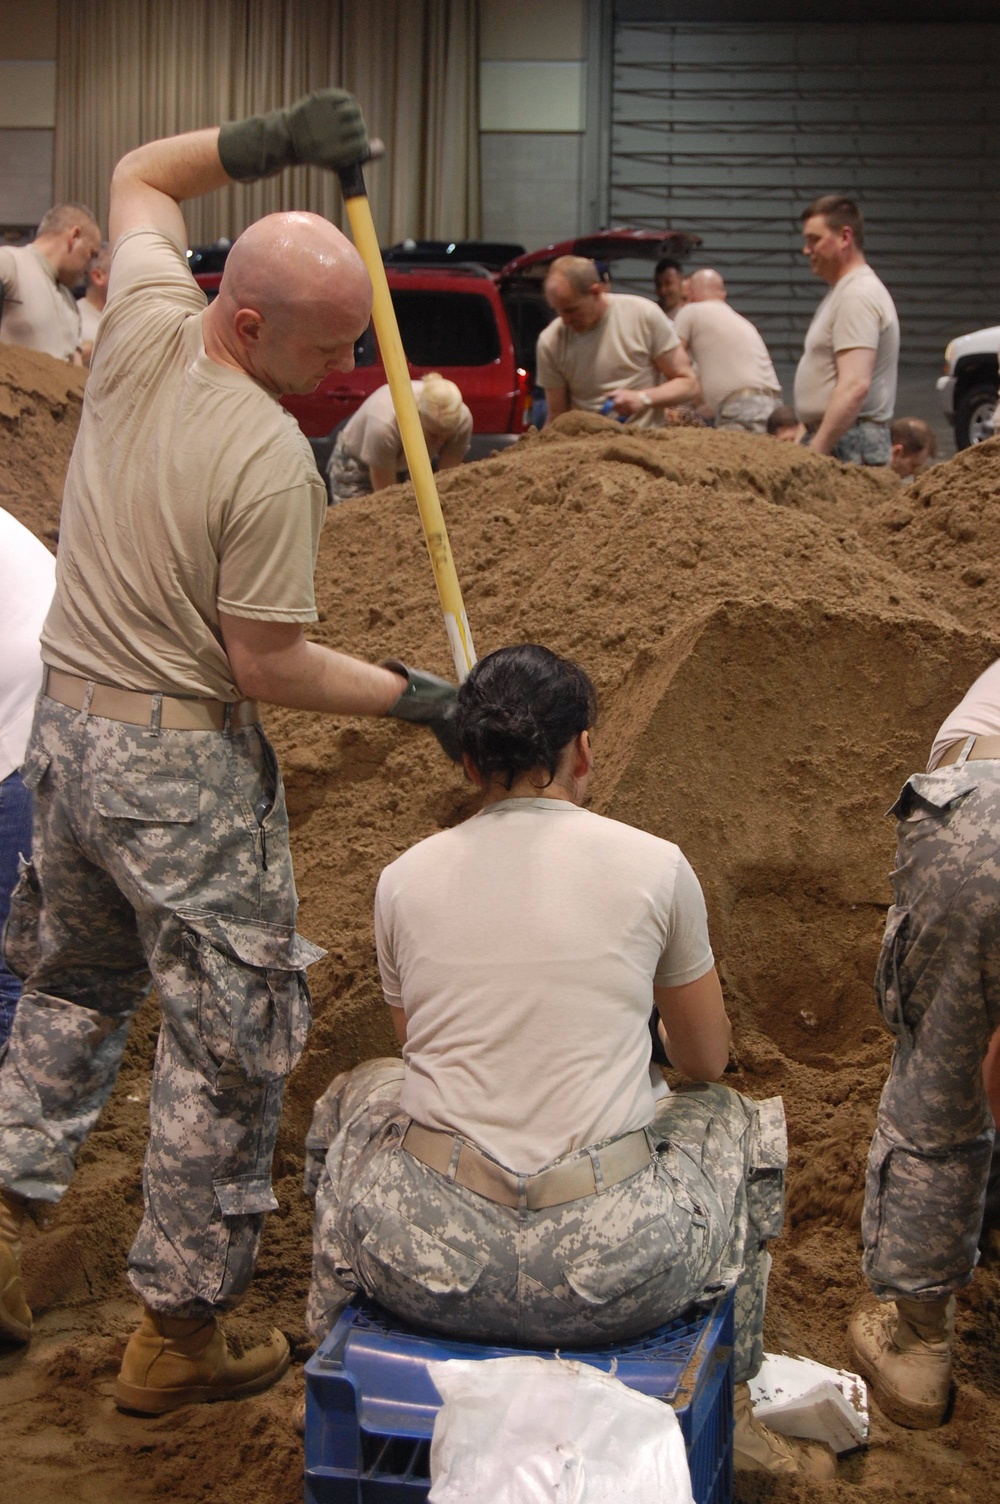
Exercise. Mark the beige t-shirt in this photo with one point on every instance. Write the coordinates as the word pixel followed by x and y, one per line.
pixel 372 434
pixel 523 947
pixel 856 314
pixel 728 351
pixel 190 491
pixel 619 352
pixel 37 310
pixel 976 714
pixel 90 317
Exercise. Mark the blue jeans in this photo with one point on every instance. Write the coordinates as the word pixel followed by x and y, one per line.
pixel 15 840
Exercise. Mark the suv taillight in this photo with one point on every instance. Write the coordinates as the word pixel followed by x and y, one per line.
pixel 524 397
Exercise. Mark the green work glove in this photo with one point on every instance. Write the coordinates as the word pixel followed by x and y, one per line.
pixel 429 701
pixel 326 129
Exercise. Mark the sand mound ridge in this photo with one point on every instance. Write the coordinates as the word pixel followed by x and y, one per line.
pixel 769 674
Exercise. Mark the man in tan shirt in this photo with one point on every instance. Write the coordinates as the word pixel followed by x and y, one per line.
pixel 91 305
pixel 735 370
pixel 609 348
pixel 39 309
pixel 184 583
pixel 845 384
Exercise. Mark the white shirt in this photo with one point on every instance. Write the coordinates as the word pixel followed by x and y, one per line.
pixel 27 579
pixel 523 947
pixel 38 311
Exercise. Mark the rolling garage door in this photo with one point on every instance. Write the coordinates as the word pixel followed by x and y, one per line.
pixel 729 130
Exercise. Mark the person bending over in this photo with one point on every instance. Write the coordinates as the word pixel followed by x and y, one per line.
pixel 368 454
pixel 517 1177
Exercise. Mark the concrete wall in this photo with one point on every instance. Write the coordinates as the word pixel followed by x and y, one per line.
pixel 532 113
pixel 27 112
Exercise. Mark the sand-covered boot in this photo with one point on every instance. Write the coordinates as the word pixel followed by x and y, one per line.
pixel 15 1313
pixel 758 1449
pixel 904 1351
pixel 173 1360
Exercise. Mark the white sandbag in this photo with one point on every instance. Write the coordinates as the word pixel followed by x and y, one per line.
pixel 529 1430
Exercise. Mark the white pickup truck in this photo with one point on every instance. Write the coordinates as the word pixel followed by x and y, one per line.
pixel 968 388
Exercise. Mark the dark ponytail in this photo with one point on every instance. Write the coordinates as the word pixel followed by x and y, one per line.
pixel 519 708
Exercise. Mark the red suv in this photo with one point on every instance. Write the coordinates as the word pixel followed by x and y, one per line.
pixel 470 310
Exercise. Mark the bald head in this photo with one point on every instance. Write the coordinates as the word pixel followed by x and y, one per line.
pixel 293 267
pixel 704 285
pixel 294 297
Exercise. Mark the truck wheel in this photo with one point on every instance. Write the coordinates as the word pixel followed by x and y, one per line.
pixel 974 414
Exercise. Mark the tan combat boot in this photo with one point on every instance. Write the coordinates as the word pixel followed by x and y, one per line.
pixel 15 1313
pixel 758 1449
pixel 174 1360
pixel 904 1351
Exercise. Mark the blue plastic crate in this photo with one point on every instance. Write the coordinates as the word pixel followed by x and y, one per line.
pixel 370 1402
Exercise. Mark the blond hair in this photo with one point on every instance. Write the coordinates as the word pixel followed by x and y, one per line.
pixel 440 402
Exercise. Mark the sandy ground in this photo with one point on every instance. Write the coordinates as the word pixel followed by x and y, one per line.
pixel 775 639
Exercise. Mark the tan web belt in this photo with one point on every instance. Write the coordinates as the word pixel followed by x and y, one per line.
pixel 138 708
pixel 591 1171
pixel 984 748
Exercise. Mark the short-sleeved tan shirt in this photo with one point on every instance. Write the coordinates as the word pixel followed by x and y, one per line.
pixel 856 314
pixel 372 434
pixel 38 312
pixel 728 350
pixel 190 491
pixel 619 352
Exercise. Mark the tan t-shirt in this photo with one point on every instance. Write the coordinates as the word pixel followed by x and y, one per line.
pixel 90 317
pixel 523 947
pixel 190 491
pixel 37 310
pixel 976 714
pixel 728 351
pixel 619 352
pixel 856 314
pixel 372 434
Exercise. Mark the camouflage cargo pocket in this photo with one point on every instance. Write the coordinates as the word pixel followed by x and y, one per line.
pixel 767 1163
pixel 406 1267
pixel 20 933
pixel 888 988
pixel 606 1274
pixel 253 999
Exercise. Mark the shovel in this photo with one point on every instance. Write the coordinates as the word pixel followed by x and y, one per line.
pixel 456 623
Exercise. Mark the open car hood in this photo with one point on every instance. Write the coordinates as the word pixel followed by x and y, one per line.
pixel 621 244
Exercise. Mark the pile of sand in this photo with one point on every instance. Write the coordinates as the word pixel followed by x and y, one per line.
pixel 768 679
pixel 945 531
pixel 40 401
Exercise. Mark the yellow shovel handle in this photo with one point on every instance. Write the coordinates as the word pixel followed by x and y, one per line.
pixel 414 444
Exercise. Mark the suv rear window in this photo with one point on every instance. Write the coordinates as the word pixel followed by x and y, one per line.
pixel 446 329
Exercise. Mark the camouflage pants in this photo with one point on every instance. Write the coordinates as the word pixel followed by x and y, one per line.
pixel 602 1268
pixel 938 989
pixel 149 865
pixel 749 412
pixel 864 443
pixel 347 476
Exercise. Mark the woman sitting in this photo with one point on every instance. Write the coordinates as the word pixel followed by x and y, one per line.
pixel 368 453
pixel 519 1177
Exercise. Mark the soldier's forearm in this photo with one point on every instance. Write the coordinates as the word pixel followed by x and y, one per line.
pixel 181 167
